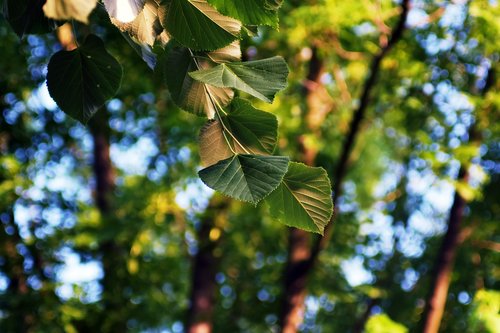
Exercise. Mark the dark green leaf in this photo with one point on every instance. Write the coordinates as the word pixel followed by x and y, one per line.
pixel 253 12
pixel 246 177
pixel 80 81
pixel 197 25
pixel 260 78
pixel 303 199
pixel 27 17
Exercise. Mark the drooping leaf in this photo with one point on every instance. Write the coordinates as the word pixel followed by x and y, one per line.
pixel 243 129
pixel 80 81
pixel 197 25
pixel 27 17
pixel 229 53
pixel 124 10
pixel 303 199
pixel 146 27
pixel 253 12
pixel 69 9
pixel 246 177
pixel 213 144
pixel 260 78
pixel 188 94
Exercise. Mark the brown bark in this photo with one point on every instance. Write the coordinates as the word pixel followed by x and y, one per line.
pixel 204 287
pixel 297 271
pixel 454 237
pixel 434 307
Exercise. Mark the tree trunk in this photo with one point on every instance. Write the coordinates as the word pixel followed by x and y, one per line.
pixel 434 307
pixel 299 266
pixel 204 287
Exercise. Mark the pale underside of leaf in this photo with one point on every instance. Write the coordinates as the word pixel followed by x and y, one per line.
pixel 213 144
pixel 191 95
pixel 146 27
pixel 229 53
pixel 69 9
pixel 303 199
pixel 124 10
pixel 246 177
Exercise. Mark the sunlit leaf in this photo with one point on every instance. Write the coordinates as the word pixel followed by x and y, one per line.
pixel 80 81
pixel 246 177
pixel 260 78
pixel 146 27
pixel 254 12
pixel 124 10
pixel 303 199
pixel 213 144
pixel 197 25
pixel 69 9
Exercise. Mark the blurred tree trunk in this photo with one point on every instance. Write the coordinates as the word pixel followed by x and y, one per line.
pixel 204 287
pixel 113 254
pixel 301 260
pixel 443 270
pixel 434 307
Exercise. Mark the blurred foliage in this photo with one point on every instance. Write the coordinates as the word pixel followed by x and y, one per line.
pixel 399 187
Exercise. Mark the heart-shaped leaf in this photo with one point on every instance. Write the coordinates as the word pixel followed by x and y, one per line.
pixel 303 199
pixel 260 78
pixel 82 80
pixel 197 25
pixel 246 177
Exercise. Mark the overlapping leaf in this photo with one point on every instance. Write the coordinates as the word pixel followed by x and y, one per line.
pixel 254 12
pixel 260 78
pixel 246 177
pixel 80 81
pixel 146 27
pixel 243 129
pixel 69 9
pixel 303 199
pixel 124 10
pixel 197 25
pixel 27 17
pixel 188 94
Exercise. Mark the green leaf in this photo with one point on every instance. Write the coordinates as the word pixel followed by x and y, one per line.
pixel 246 130
pixel 188 94
pixel 69 9
pixel 80 81
pixel 124 10
pixel 253 12
pixel 197 25
pixel 246 177
pixel 260 78
pixel 303 199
